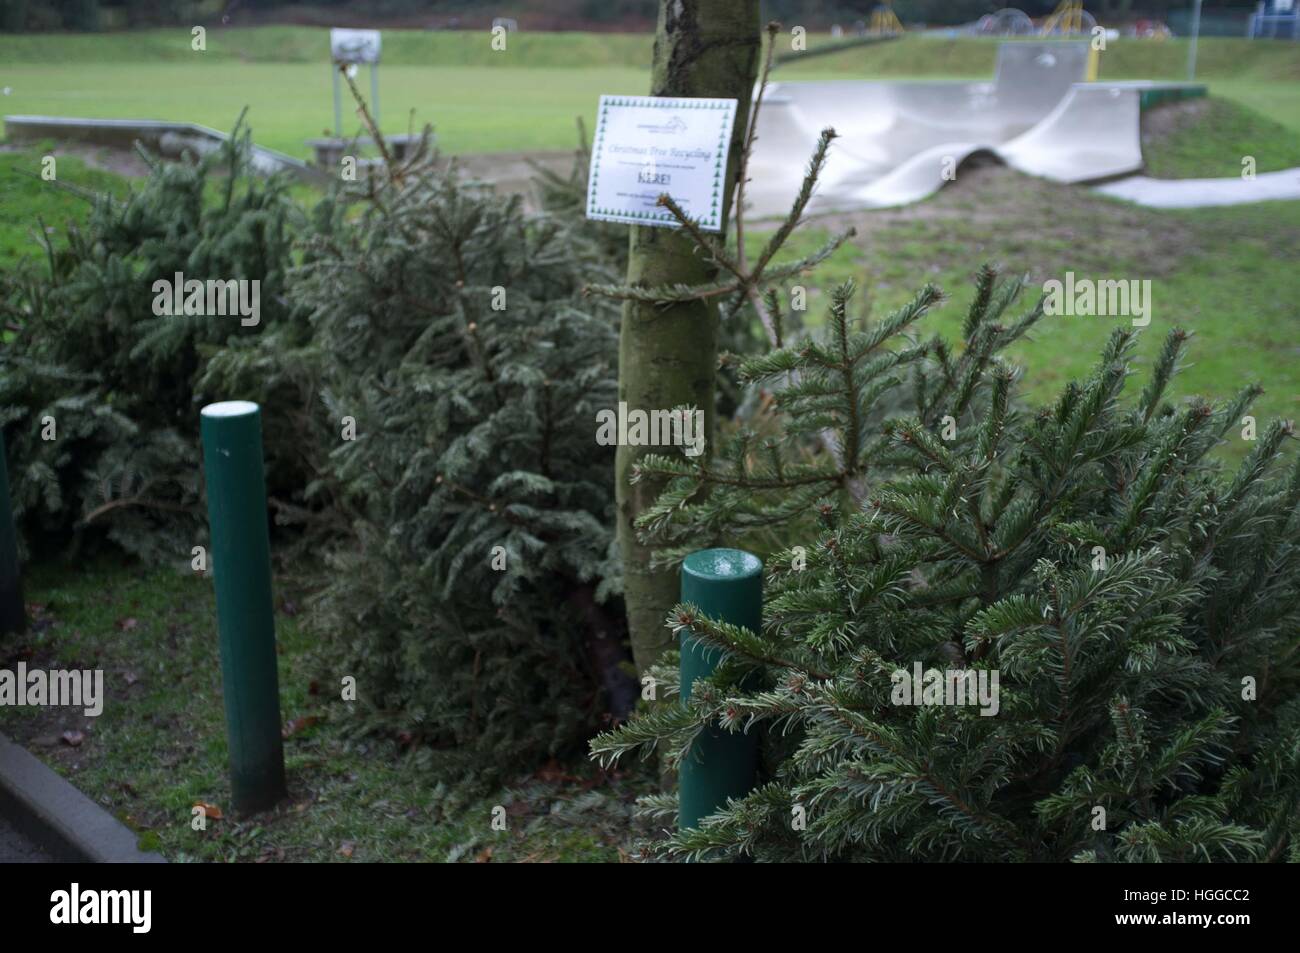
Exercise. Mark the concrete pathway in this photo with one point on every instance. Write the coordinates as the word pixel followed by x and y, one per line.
pixel 1202 193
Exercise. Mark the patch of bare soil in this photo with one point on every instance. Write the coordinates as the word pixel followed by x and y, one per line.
pixel 57 733
pixel 1163 121
pixel 992 206
pixel 508 171
pixel 124 162
pixel 514 171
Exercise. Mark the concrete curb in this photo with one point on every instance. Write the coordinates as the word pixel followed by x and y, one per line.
pixel 58 817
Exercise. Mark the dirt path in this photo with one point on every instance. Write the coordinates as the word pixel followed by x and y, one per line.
pixel 513 170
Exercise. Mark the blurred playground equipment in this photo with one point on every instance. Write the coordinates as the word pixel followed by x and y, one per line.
pixel 1005 22
pixel 901 141
pixel 1068 19
pixel 884 22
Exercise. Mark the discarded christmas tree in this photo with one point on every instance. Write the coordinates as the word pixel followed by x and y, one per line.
pixel 456 372
pixel 99 378
pixel 1109 622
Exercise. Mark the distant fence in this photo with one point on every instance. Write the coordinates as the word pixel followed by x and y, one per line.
pixel 1213 22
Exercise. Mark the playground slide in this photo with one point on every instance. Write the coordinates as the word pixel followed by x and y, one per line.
pixel 899 142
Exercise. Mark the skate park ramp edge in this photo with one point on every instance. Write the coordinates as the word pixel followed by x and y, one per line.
pixel 899 142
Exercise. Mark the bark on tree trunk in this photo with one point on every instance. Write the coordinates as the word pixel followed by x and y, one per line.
pixel 668 357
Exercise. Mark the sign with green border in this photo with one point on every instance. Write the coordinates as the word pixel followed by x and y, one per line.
pixel 648 146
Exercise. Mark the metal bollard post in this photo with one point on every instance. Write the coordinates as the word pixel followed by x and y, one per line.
pixel 13 616
pixel 727 585
pixel 241 566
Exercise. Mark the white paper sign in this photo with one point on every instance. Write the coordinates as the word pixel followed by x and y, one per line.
pixel 647 146
pixel 354 46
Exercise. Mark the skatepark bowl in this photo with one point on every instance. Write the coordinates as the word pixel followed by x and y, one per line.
pixel 898 142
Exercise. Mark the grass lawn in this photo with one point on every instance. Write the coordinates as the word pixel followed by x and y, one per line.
pixel 523 98
pixel 472 109
pixel 1209 138
pixel 159 748
pixel 1226 274
pixel 25 200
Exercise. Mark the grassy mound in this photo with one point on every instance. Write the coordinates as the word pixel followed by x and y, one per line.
pixel 1209 138
pixel 1218 58
pixel 26 199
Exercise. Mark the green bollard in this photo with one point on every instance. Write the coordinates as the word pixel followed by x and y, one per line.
pixel 727 585
pixel 241 566
pixel 13 617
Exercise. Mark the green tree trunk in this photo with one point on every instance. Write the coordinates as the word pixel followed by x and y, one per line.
pixel 668 357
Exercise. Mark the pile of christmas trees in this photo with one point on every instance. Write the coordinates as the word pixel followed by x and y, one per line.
pixel 430 374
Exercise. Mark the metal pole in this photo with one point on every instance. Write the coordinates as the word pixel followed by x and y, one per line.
pixel 241 566
pixel 727 585
pixel 13 616
pixel 338 102
pixel 1196 33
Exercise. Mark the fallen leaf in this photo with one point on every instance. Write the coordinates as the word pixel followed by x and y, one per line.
pixel 484 857
pixel 127 624
pixel 211 811
pixel 346 848
pixel 296 725
pixel 73 738
pixel 131 678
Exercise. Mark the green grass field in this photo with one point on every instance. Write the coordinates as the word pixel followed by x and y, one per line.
pixel 1226 274
pixel 26 200
pixel 523 98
